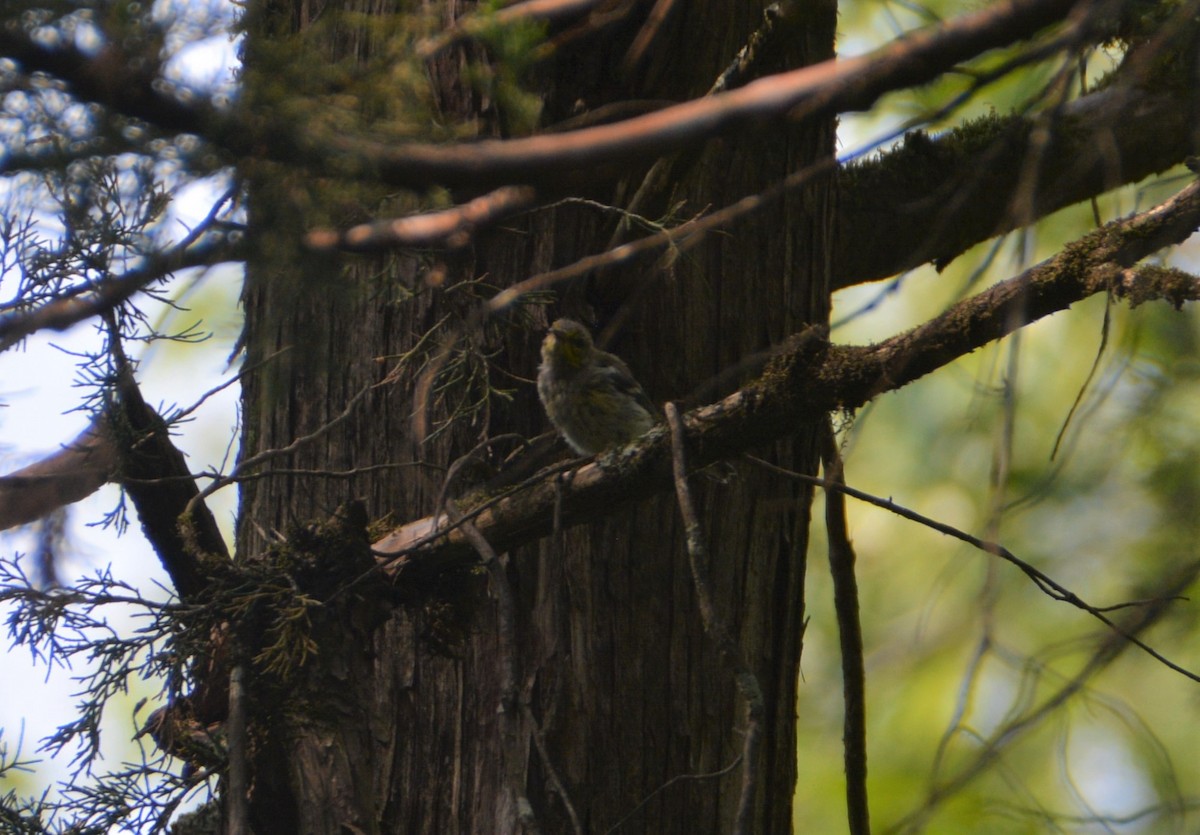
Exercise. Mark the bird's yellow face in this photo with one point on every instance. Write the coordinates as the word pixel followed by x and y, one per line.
pixel 567 342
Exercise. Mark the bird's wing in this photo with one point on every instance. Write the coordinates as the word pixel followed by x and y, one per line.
pixel 617 374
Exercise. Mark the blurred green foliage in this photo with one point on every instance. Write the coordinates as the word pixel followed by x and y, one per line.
pixel 962 649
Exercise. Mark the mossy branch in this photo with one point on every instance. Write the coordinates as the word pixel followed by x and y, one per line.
pixel 809 378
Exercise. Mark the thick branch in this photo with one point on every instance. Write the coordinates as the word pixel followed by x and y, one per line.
pixel 968 179
pixel 810 378
pixel 76 471
pixel 110 78
pixel 832 86
pixel 129 443
pixel 183 533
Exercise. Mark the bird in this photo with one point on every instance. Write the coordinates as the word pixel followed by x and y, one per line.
pixel 590 395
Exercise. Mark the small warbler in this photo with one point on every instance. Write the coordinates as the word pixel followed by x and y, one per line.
pixel 590 395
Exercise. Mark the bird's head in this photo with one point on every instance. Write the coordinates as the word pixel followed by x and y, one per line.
pixel 567 343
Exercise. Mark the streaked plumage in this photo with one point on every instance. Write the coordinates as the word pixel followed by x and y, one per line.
pixel 590 395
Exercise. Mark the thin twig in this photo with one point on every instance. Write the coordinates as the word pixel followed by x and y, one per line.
pixel 743 675
pixel 1045 584
pixel 681 237
pixel 180 414
pixel 1009 733
pixel 1105 327
pixel 270 454
pixel 678 778
pixel 845 604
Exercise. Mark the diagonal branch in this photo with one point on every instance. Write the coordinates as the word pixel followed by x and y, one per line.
pixel 181 529
pixel 106 294
pixel 451 227
pixel 838 85
pixel 833 86
pixel 1044 583
pixel 1108 139
pixel 809 378
pixel 74 472
pixel 110 78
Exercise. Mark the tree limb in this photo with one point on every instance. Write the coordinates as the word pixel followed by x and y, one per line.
pixel 451 227
pixel 110 78
pixel 73 473
pixel 61 313
pixel 810 377
pixel 968 182
pixel 154 473
pixel 845 604
pixel 838 85
pixel 843 85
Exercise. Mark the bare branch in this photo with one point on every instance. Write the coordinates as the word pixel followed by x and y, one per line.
pixel 73 473
pixel 838 85
pixel 731 654
pixel 1043 581
pixel 845 604
pixel 178 525
pixel 451 228
pixel 246 464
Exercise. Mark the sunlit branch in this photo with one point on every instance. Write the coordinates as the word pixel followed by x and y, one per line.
pixel 450 228
pixel 838 85
pixel 833 86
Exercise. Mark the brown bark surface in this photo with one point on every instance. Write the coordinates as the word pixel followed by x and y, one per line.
pixel 398 725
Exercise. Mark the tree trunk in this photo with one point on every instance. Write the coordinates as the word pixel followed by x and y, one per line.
pixel 398 724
